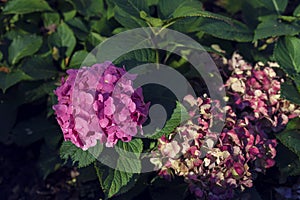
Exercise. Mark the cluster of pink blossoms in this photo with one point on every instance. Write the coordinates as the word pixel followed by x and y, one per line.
pixel 216 164
pixel 99 103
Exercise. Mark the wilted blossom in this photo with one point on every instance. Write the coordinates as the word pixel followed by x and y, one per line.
pixel 215 165
pixel 99 103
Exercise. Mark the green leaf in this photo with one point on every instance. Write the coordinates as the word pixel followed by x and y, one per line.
pixel 297 11
pixel 210 23
pixel 271 26
pixel 50 18
pixel 23 46
pixel 82 57
pixel 63 39
pixel 127 13
pixel 67 8
pixel 290 137
pixel 79 28
pixel 287 162
pixel 121 178
pixel 77 59
pixel 135 146
pixel 9 79
pixel 179 115
pixel 231 6
pixel 167 7
pixel 277 6
pixel 95 39
pixel 115 181
pixel 187 8
pixel 38 67
pixel 39 92
pixel 24 7
pixel 135 58
pixel 89 8
pixel 1 56
pixel 77 155
pixel 293 46
pixel 32 130
pixel 286 53
pixel 289 91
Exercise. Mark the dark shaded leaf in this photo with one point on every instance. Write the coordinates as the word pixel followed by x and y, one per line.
pixel 9 79
pixel 38 67
pixel 32 130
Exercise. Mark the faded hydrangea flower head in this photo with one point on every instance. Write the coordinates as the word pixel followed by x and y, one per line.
pixel 99 103
pixel 244 146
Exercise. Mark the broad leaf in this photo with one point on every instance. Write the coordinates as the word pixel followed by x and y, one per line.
pixel 9 79
pixel 290 137
pixel 135 146
pixel 277 6
pixel 80 58
pixel 118 179
pixel 41 91
pixel 89 8
pixel 297 11
pixel 286 53
pixel 63 39
pixel 179 115
pixel 167 7
pixel 50 18
pixel 289 91
pixel 67 8
pixel 77 155
pixel 271 26
pixel 210 23
pixel 38 67
pixel 127 13
pixel 23 46
pixel 23 7
pixel 77 58
pixel 79 28
pixel 284 160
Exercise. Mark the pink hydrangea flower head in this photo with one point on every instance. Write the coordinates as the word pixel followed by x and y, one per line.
pixel 99 103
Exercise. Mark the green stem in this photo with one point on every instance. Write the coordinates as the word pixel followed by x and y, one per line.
pixel 99 175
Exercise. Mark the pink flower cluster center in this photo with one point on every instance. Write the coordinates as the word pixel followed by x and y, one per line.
pixel 99 103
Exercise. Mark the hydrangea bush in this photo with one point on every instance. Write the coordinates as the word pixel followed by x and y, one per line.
pixel 88 100
pixel 245 145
